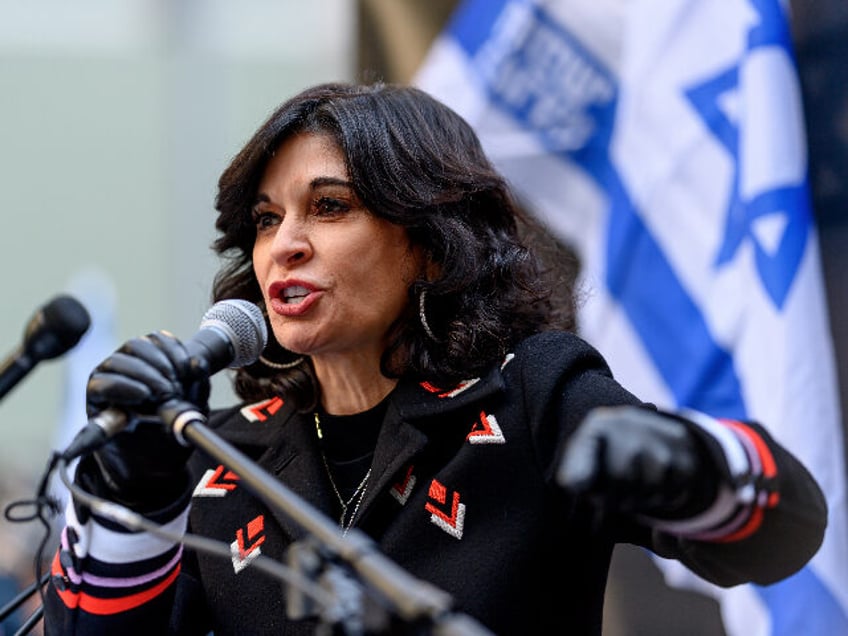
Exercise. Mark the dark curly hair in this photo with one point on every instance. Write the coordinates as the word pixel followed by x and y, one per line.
pixel 416 163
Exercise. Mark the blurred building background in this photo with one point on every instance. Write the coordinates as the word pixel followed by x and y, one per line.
pixel 116 118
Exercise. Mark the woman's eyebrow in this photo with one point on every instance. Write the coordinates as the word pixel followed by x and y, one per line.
pixel 322 181
pixel 317 182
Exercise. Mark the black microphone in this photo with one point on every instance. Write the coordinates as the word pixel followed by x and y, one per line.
pixel 232 334
pixel 53 330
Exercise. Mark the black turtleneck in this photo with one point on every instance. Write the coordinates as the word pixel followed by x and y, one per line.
pixel 348 444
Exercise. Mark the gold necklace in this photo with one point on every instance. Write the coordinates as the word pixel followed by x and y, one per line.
pixel 358 494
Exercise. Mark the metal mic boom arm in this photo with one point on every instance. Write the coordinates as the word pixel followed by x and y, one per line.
pixel 410 599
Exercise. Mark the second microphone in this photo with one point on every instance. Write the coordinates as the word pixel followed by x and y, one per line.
pixel 232 334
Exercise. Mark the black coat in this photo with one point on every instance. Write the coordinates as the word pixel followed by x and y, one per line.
pixel 461 495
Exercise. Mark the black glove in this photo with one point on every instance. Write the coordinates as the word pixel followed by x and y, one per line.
pixel 636 461
pixel 143 467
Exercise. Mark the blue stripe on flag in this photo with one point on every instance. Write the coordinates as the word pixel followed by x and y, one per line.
pixel 801 604
pixel 472 22
pixel 699 373
pixel 518 77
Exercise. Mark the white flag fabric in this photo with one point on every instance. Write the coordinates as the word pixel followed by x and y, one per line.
pixel 664 141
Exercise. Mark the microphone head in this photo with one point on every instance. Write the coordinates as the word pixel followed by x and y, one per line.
pixel 56 328
pixel 244 325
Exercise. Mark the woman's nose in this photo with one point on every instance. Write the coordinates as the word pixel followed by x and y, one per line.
pixel 291 242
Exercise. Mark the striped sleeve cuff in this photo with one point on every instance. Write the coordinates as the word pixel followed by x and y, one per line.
pixel 104 569
pixel 749 489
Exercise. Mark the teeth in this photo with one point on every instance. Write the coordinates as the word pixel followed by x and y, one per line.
pixel 288 292
pixel 294 295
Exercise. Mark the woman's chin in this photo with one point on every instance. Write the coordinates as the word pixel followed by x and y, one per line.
pixel 299 346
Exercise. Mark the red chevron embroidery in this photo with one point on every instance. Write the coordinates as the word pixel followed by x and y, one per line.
pixel 432 388
pixel 486 431
pixel 246 546
pixel 443 393
pixel 261 411
pixel 453 522
pixel 402 489
pixel 216 482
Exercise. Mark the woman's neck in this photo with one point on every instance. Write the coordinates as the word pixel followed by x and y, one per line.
pixel 351 388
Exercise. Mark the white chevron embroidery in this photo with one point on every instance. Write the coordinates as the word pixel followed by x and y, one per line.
pixel 489 431
pixel 259 411
pixel 452 526
pixel 402 490
pixel 210 486
pixel 240 563
pixel 462 386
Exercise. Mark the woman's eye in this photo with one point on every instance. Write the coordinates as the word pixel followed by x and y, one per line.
pixel 264 220
pixel 330 206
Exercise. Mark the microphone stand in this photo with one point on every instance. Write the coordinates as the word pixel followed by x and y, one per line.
pixel 31 621
pixel 22 596
pixel 410 599
pixel 19 600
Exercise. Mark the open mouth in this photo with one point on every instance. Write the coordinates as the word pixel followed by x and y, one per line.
pixel 294 295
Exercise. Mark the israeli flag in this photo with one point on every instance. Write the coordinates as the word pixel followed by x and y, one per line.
pixel 664 141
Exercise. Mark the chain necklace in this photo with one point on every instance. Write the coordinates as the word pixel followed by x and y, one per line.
pixel 358 495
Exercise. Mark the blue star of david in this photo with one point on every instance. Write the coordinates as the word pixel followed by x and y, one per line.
pixel 776 267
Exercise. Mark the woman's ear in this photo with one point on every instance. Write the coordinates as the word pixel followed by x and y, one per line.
pixel 425 268
pixel 432 269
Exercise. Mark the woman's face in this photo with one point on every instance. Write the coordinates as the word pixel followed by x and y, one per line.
pixel 334 277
